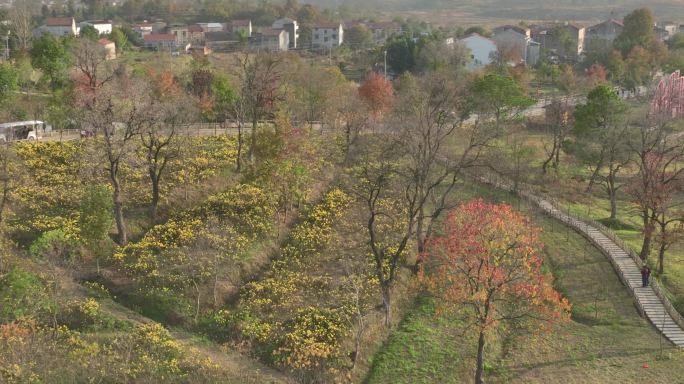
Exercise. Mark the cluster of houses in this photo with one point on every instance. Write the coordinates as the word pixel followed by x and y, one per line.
pixel 282 35
pixel 67 26
pixel 565 42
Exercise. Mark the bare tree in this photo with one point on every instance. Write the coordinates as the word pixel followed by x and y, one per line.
pixel 167 108
pixel 658 151
pixel 92 64
pixel 259 77
pixel 115 112
pixel 559 121
pixel 22 24
pixel 429 116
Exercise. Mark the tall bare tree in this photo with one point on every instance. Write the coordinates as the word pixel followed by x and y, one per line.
pixel 430 117
pixel 91 61
pixel 558 116
pixel 115 112
pixel 22 24
pixel 657 150
pixel 259 77
pixel 166 109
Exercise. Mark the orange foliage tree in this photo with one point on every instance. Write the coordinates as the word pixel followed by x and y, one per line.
pixel 377 93
pixel 487 268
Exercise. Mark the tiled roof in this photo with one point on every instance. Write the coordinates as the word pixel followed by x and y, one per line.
pixel 159 37
pixel 60 21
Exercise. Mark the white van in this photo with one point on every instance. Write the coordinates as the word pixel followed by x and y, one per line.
pixel 23 130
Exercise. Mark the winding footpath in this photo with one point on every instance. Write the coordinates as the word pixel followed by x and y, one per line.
pixel 649 300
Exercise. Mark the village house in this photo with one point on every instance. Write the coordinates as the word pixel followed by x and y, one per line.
pixel 160 42
pixel 291 27
pixel 271 39
pixel 241 27
pixel 481 50
pixel 607 30
pixel 110 48
pixel 143 29
pixel 518 39
pixel 103 27
pixel 220 41
pixel 600 37
pixel 196 34
pixel 666 30
pixel 565 40
pixel 212 27
pixel 58 27
pixel 327 35
pixel 180 32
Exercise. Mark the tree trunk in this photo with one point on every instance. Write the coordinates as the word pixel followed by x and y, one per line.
pixel 480 358
pixel 592 180
pixel 253 144
pixel 238 159
pixel 661 258
pixel 613 205
pixel 122 238
pixel 648 238
pixel 197 302
pixel 387 304
pixel 154 178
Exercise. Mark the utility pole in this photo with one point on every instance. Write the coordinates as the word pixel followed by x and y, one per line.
pixel 385 65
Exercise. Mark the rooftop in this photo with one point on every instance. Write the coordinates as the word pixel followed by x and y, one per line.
pixel 327 25
pixel 60 21
pixel 160 37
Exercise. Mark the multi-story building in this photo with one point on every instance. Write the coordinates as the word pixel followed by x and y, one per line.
pixel 327 35
pixel 519 40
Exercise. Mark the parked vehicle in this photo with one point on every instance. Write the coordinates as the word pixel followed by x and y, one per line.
pixel 23 130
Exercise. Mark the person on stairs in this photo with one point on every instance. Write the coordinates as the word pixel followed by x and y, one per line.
pixel 645 275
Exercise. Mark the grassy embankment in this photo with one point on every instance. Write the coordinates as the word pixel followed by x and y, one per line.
pixel 605 342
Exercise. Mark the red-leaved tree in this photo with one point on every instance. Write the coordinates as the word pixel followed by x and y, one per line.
pixel 377 93
pixel 487 269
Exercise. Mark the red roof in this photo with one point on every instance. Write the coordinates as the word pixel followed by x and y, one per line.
pixel 240 23
pixel 159 37
pixel 195 28
pixel 60 21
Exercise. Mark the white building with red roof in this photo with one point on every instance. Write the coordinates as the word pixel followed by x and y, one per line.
pixel 58 27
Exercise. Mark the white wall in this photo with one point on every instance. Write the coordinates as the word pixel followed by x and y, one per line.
pixel 481 49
